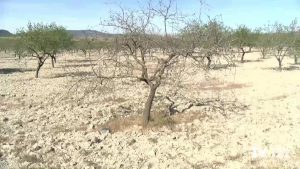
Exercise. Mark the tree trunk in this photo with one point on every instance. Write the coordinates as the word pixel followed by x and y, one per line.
pixel 208 61
pixel 37 71
pixel 165 25
pixel 53 60
pixel 279 64
pixel 148 105
pixel 263 53
pixel 243 54
pixel 40 64
pixel 84 53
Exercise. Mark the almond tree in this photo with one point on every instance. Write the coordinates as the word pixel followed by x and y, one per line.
pixel 281 41
pixel 209 39
pixel 141 52
pixel 295 44
pixel 263 40
pixel 243 37
pixel 19 48
pixel 296 50
pixel 44 41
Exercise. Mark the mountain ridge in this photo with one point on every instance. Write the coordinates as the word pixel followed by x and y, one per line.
pixel 89 34
pixel 5 33
pixel 77 34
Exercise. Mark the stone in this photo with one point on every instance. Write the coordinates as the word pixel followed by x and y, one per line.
pixel 132 142
pixel 5 119
pixel 104 131
pixel 97 140
pixel 37 148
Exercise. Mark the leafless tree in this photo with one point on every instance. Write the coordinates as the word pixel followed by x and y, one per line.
pixel 137 52
pixel 142 53
pixel 167 12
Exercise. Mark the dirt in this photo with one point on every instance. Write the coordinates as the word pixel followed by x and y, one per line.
pixel 246 116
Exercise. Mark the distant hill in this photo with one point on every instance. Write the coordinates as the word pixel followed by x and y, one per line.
pixel 78 34
pixel 5 33
pixel 81 34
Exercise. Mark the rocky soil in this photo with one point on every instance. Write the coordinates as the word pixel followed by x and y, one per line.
pixel 247 116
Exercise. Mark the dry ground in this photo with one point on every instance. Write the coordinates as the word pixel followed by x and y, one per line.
pixel 248 117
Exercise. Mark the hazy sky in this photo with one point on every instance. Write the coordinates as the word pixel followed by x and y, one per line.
pixel 86 14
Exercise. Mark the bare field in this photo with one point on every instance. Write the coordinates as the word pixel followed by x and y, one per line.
pixel 246 116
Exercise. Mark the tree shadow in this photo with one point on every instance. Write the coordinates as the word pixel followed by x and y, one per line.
pixel 289 68
pixel 221 66
pixel 296 64
pixel 10 70
pixel 77 65
pixel 253 61
pixel 80 61
pixel 73 74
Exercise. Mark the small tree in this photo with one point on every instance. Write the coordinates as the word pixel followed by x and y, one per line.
pixel 19 48
pixel 296 50
pixel 281 41
pixel 243 37
pixel 208 39
pixel 87 44
pixel 263 40
pixel 44 41
pixel 7 44
pixel 295 44
pixel 214 39
pixel 263 43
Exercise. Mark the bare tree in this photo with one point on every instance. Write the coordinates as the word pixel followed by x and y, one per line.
pixel 167 12
pixel 137 52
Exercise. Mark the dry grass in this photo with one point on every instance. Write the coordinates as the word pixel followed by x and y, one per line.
pixel 93 164
pixel 31 158
pixel 114 99
pixel 189 117
pixel 60 129
pixel 121 124
pixel 216 85
pixel 158 121
pixel 279 97
pixel 234 157
pixel 162 121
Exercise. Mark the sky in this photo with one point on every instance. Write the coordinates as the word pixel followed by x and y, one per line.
pixel 86 14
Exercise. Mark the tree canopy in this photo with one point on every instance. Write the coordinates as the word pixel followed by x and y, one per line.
pixel 44 40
